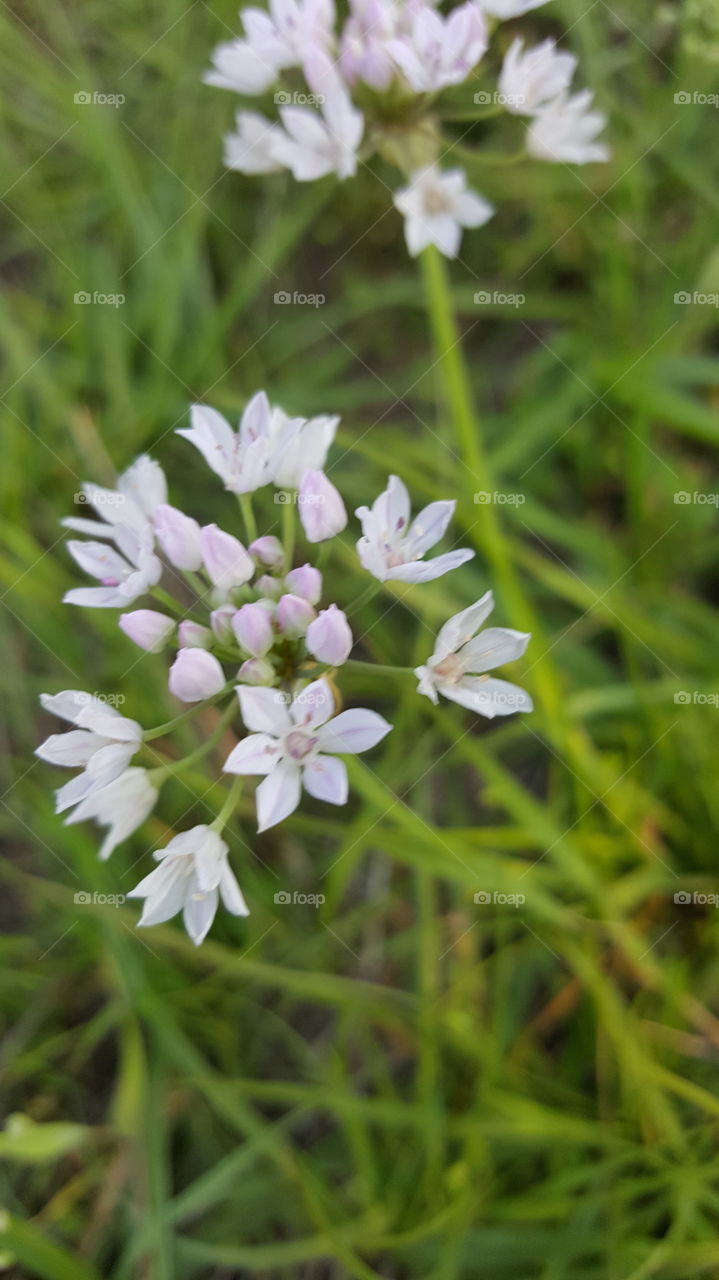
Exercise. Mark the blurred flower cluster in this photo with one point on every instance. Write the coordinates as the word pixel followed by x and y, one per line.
pixel 247 627
pixel 377 84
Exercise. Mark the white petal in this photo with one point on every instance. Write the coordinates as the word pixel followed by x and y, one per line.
pixel 492 648
pixel 427 570
pixel 488 697
pixel 353 731
pixel 278 795
pixel 313 705
pixel 256 754
pixel 429 526
pixel 69 749
pixel 96 598
pixel 325 778
pixel 231 893
pixel 264 710
pixel 100 561
pixel 459 629
pixel 198 914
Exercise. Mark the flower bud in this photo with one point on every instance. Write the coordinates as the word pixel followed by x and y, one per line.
pixel 252 625
pixel 270 587
pixel 294 615
pixel 179 537
pixel 322 510
pixel 221 623
pixel 256 671
pixel 305 582
pixel 192 635
pixel 268 551
pixel 195 674
pixel 329 638
pixel 147 628
pixel 225 558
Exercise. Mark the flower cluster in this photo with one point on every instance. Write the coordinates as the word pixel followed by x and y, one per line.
pixel 248 627
pixel 380 86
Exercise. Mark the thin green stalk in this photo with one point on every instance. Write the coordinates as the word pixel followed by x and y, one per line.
pixel 377 668
pixel 364 597
pixel 248 515
pixel 161 730
pixel 169 601
pixel 288 531
pixel 229 806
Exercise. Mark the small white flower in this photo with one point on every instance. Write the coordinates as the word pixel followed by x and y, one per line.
pixel 436 206
pixel 313 145
pixel 122 805
pixel 123 577
pixel 439 50
pixel 392 549
pixel 566 130
pixel 534 77
pixel 238 65
pixel 294 747
pixel 250 149
pixel 366 36
pixel 241 459
pixel 299 445
pixel 103 742
pixel 132 503
pixel 461 658
pixel 193 873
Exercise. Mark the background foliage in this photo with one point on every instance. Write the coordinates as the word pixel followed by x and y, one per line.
pixel 402 1083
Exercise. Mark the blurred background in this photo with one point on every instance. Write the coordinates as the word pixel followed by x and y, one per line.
pixel 421 1077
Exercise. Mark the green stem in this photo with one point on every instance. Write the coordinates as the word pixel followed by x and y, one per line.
pixel 364 597
pixel 248 516
pixel 230 711
pixel 377 668
pixel 288 531
pixel 229 806
pixel 162 729
pixel 196 583
pixel 169 601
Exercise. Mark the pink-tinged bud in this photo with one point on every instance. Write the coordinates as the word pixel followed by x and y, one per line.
pixel 270 587
pixel 147 628
pixel 192 635
pixel 252 625
pixel 294 615
pixel 306 582
pixel 322 510
pixel 329 638
pixel 225 558
pixel 195 674
pixel 268 552
pixel 179 537
pixel 256 671
pixel 221 623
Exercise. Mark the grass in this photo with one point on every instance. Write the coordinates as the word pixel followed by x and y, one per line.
pixel 399 1083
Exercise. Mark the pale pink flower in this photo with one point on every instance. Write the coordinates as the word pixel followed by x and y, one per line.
pixel 436 206
pixel 392 546
pixel 457 668
pixel 193 874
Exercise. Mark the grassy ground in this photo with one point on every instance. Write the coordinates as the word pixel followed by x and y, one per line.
pixel 401 1083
